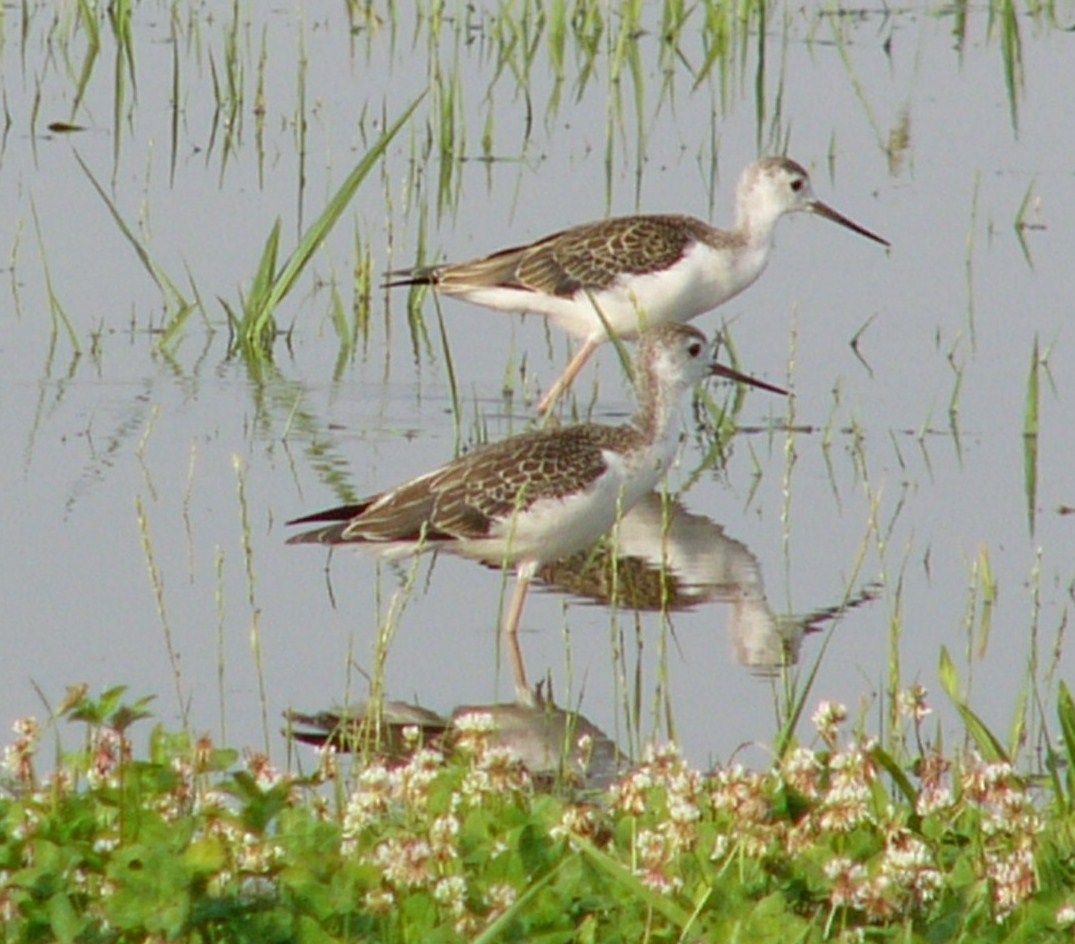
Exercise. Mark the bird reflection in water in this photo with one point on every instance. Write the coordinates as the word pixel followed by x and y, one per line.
pixel 662 557
pixel 555 746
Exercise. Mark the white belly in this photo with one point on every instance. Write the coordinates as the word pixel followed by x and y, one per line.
pixel 703 279
pixel 554 528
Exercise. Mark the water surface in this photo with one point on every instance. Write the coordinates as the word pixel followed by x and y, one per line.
pixel 146 490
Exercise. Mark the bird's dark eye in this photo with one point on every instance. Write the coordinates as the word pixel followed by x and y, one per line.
pixel 797 184
pixel 694 348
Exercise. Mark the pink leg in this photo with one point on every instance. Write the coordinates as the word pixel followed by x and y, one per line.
pixel 568 376
pixel 509 633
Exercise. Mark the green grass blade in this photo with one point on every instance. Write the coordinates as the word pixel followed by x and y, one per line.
pixel 797 704
pixel 984 739
pixel 619 873
pixel 1012 54
pixel 503 922
pixel 1021 224
pixel 449 364
pixel 1065 709
pixel 93 48
pixel 893 769
pixel 175 325
pixel 265 277
pixel 1030 436
pixel 56 309
pixel 172 296
pixel 319 229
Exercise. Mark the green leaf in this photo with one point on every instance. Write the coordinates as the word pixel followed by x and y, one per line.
pixel 534 847
pixel 888 762
pixel 64 921
pixel 988 745
pixel 152 889
pixel 310 932
pixel 205 856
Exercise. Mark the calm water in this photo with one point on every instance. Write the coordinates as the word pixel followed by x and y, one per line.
pixel 879 484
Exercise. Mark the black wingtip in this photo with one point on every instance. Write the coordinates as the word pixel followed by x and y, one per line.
pixel 337 514
pixel 421 275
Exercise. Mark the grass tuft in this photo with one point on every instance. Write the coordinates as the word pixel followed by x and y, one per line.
pixel 253 320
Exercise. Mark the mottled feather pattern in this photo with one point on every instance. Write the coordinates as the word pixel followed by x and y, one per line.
pixel 466 497
pixel 591 256
pixel 594 256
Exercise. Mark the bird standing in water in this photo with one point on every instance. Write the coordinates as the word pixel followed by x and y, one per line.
pixel 538 496
pixel 626 274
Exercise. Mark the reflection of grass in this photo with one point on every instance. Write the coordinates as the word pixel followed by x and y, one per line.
pixel 838 839
pixel 229 89
pixel 251 595
pixel 968 265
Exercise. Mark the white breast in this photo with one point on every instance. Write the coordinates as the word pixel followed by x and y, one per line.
pixel 557 527
pixel 703 279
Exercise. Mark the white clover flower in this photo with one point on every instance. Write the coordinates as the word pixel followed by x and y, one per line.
pixel 404 863
pixel 827 719
pixel 911 703
pixel 451 891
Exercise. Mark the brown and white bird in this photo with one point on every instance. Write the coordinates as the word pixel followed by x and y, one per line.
pixel 541 495
pixel 626 274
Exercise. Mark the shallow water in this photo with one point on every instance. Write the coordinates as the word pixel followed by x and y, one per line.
pixel 866 477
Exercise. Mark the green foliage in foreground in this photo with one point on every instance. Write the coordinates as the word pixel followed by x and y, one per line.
pixel 842 842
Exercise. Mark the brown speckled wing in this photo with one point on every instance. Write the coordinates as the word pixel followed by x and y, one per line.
pixel 506 477
pixel 465 498
pixel 590 256
pixel 594 255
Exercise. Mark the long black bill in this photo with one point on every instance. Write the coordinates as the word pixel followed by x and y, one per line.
pixel 719 370
pixel 823 209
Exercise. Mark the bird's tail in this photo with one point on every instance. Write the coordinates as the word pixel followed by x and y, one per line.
pixel 419 275
pixel 337 518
